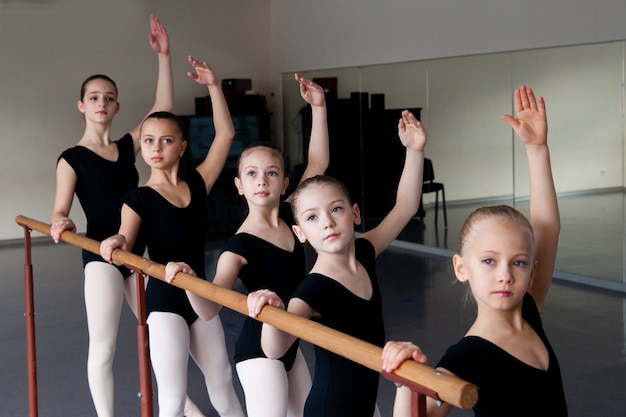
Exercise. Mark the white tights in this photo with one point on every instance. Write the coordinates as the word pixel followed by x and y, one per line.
pixel 272 392
pixel 104 290
pixel 171 342
pixel 266 384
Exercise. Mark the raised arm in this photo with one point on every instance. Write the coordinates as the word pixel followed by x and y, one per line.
pixel 531 125
pixel 164 100
pixel 318 156
pixel 215 159
pixel 413 136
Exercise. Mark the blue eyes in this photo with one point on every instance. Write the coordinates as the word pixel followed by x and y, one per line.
pixel 315 217
pixel 269 174
pixel 520 264
pixel 151 140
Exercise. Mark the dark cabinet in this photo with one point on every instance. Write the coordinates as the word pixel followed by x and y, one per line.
pixel 365 150
pixel 225 209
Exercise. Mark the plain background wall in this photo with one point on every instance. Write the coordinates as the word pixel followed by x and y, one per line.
pixel 48 47
pixel 343 33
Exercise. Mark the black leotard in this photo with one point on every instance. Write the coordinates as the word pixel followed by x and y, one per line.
pixel 343 388
pixel 268 267
pixel 506 385
pixel 171 234
pixel 100 186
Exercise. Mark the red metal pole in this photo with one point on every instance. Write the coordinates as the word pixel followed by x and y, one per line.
pixel 31 356
pixel 418 404
pixel 455 391
pixel 419 393
pixel 143 349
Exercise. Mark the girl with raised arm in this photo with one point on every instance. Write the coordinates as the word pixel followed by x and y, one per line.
pixel 264 253
pixel 507 263
pixel 168 214
pixel 100 171
pixel 341 291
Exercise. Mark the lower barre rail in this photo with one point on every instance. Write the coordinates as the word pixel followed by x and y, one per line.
pixel 447 388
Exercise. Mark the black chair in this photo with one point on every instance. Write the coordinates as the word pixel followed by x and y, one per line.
pixel 430 186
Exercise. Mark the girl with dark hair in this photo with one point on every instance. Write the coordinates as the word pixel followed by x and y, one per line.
pixel 100 171
pixel 264 253
pixel 341 290
pixel 168 214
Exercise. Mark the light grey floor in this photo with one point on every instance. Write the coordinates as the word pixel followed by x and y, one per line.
pixel 586 327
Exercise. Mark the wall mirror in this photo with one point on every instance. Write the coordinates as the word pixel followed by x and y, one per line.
pixel 474 152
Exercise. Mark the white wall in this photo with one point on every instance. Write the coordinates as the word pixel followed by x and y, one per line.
pixel 48 47
pixel 323 34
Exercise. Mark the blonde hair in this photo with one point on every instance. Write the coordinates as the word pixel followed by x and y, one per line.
pixel 471 226
pixel 252 146
pixel 502 212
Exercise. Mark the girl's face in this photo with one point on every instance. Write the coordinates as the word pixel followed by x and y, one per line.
pixel 325 218
pixel 497 262
pixel 261 177
pixel 99 104
pixel 162 144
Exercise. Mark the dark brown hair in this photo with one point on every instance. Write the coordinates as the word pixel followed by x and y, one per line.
pixel 316 180
pixel 83 87
pixel 167 116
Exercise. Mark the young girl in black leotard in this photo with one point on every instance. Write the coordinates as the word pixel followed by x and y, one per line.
pixel 341 291
pixel 264 253
pixel 100 171
pixel 168 213
pixel 508 263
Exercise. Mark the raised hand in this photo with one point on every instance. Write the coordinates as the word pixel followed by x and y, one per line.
pixel 204 73
pixel 311 92
pixel 530 122
pixel 411 131
pixel 159 40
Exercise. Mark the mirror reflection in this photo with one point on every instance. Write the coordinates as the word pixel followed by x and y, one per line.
pixel 474 153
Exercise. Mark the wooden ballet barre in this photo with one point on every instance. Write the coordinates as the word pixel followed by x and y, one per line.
pixel 449 389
